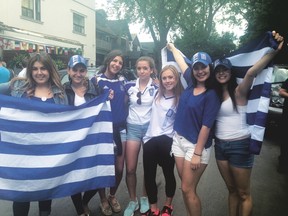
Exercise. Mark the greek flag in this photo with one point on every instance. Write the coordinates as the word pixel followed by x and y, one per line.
pixel 259 97
pixel 49 151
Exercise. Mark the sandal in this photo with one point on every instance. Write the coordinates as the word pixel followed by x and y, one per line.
pixel 113 202
pixel 106 210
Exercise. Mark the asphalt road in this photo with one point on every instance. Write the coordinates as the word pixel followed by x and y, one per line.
pixel 269 191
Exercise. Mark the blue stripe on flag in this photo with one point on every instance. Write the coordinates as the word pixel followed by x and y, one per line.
pixel 49 151
pixel 66 189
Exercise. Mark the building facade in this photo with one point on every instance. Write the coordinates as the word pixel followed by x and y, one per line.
pixel 61 28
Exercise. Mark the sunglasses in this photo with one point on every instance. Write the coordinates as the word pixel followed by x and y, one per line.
pixel 139 98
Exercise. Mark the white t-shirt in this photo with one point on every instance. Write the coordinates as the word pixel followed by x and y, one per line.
pixel 79 100
pixel 162 118
pixel 140 114
pixel 22 73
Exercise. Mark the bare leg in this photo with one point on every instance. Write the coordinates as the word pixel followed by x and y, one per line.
pixel 190 179
pixel 131 158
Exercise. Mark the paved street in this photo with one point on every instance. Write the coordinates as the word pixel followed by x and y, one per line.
pixel 269 190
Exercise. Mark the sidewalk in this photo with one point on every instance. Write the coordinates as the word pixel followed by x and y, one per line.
pixel 269 191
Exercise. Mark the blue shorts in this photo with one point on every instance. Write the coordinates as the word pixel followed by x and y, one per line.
pixel 237 152
pixel 136 132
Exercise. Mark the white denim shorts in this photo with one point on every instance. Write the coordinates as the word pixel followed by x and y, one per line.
pixel 181 147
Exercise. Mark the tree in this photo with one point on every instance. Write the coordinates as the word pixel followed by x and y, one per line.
pixel 183 18
pixel 159 17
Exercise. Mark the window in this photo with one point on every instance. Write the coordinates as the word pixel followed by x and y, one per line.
pixel 78 23
pixel 31 9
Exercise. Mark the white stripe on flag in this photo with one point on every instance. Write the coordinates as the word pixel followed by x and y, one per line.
pixel 49 151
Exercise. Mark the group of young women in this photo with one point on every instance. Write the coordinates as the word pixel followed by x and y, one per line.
pixel 174 125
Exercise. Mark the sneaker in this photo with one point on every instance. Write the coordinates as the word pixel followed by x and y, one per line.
pixel 167 211
pixel 144 205
pixel 131 208
pixel 157 213
pixel 113 202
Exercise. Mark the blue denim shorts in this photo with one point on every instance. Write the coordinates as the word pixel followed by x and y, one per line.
pixel 136 132
pixel 235 152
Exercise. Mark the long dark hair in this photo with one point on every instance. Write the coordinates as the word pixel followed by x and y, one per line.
pixel 209 83
pixel 231 86
pixel 109 58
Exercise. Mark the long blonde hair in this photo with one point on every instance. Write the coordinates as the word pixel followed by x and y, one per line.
pixel 176 90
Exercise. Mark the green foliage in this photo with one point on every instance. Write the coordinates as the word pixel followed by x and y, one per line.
pixel 59 64
pixel 18 61
pixel 216 46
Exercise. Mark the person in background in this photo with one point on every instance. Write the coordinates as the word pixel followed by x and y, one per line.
pixel 42 83
pixel 283 158
pixel 109 78
pixel 141 95
pixel 79 90
pixel 197 110
pixel 158 140
pixel 4 73
pixel 24 61
pixel 232 135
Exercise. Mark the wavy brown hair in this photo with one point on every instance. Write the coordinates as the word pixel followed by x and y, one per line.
pixel 30 84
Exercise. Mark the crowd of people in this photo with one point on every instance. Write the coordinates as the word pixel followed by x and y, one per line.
pixel 175 126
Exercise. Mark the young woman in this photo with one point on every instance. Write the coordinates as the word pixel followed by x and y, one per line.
pixel 158 140
pixel 42 83
pixel 196 113
pixel 232 134
pixel 111 79
pixel 141 95
pixel 79 90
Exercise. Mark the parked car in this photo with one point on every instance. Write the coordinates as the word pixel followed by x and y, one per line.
pixel 280 74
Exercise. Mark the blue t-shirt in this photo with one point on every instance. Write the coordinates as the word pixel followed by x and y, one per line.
pixel 4 74
pixel 194 111
pixel 118 107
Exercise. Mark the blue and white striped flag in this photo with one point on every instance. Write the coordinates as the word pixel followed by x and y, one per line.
pixel 49 151
pixel 258 103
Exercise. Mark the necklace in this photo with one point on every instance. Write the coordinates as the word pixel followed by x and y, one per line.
pixel 43 98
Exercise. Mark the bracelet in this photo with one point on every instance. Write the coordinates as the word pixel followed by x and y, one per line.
pixel 197 154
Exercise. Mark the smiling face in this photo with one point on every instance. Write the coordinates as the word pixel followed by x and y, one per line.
pixel 114 66
pixel 77 74
pixel 168 80
pixel 222 74
pixel 40 74
pixel 201 72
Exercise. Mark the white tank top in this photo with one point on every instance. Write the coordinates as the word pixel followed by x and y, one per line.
pixel 231 124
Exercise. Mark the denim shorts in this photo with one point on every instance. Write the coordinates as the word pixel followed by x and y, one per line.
pixel 236 152
pixel 136 132
pixel 182 147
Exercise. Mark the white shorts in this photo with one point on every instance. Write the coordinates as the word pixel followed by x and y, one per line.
pixel 181 147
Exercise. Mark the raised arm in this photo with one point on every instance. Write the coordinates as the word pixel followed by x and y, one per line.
pixel 244 87
pixel 178 57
